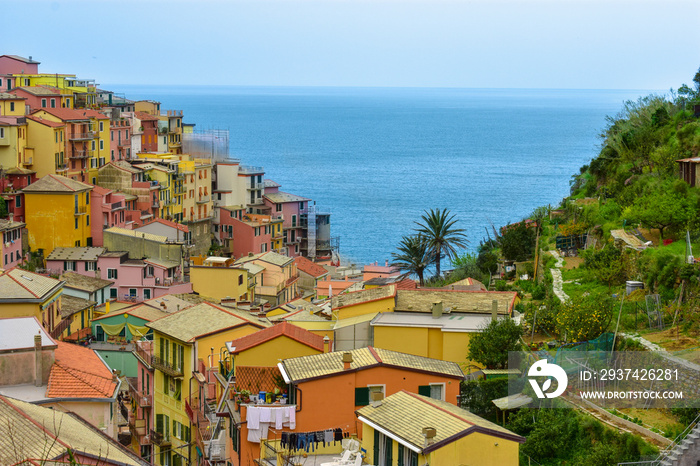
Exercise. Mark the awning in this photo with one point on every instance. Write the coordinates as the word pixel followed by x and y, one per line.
pixel 512 401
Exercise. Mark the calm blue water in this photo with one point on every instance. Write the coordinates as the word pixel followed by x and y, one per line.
pixel 377 158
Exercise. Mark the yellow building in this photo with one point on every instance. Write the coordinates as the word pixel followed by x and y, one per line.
pixel 181 356
pixel 277 282
pixel 219 279
pixel 57 213
pixel 46 137
pixel 83 91
pixel 78 313
pixel 26 294
pixel 197 204
pixel 413 429
pixel 363 302
pixel 11 105
pixel 147 106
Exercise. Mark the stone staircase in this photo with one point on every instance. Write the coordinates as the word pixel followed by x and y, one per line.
pixel 684 453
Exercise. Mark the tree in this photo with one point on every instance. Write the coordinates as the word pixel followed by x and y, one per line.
pixel 3 208
pixel 585 318
pixel 669 205
pixel 517 241
pixel 606 264
pixel 414 256
pixel 490 347
pixel 443 239
pixel 467 263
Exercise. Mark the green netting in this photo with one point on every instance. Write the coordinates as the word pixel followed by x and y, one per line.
pixel 603 344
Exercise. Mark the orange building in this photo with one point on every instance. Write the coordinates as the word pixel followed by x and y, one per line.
pixel 326 389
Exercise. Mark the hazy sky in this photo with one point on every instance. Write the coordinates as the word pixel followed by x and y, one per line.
pixel 614 44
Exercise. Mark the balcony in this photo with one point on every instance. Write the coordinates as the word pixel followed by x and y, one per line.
pixel 118 205
pixel 81 154
pixel 61 168
pixel 250 170
pixel 159 439
pixel 155 204
pixel 143 350
pixel 166 366
pixel 82 136
pixel 203 199
pixel 80 210
pixel 144 400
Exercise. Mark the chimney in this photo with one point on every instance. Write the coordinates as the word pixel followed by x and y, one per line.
pixel 37 361
pixel 12 216
pixel 386 263
pixel 494 310
pixel 437 309
pixel 326 344
pixel 429 434
pixel 347 359
pixel 375 398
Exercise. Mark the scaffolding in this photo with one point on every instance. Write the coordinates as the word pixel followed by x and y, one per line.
pixel 210 143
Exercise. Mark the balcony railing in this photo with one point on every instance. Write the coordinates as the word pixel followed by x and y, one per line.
pixel 80 210
pixel 166 366
pixel 118 205
pixel 203 199
pixel 144 350
pixel 144 400
pixel 61 167
pixel 60 328
pixel 249 170
pixel 81 136
pixel 160 439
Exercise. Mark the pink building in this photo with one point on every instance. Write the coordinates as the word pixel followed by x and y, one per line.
pixel 38 97
pixel 141 280
pixel 134 279
pixel 120 139
pixel 107 210
pixel 13 64
pixel 11 243
pixel 290 208
pixel 14 181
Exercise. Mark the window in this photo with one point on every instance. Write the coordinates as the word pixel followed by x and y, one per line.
pixel 294 222
pixel 113 293
pixel 76 223
pixel 69 266
pixel 12 106
pixel 43 103
pixel 133 293
pixel 149 271
pixel 68 102
pixel 146 294
pixel 26 81
pixel 301 206
pixel 102 126
pixel 53 103
pixel 240 279
pixel 102 144
pixel 112 274
pixel 407 457
pixel 87 220
pixel 383 449
pixel 433 390
pixel 92 145
pixel 2 133
pixel 90 266
pixel 18 201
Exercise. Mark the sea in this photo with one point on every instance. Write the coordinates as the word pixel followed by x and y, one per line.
pixel 378 158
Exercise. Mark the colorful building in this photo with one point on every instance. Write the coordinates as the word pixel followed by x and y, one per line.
pixel 108 210
pixel 310 274
pixel 57 213
pixel 278 281
pixel 11 247
pixel 26 294
pixel 14 181
pixel 219 279
pixel 411 429
pixel 47 138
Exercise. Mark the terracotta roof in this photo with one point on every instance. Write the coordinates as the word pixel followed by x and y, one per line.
pixel 21 285
pixel 9 224
pixel 284 329
pixel 69 114
pixel 363 296
pixel 53 124
pixel 200 320
pixel 19 171
pixel 404 415
pixel 40 433
pixel 40 90
pixel 85 283
pixel 145 116
pixel 328 364
pixel 8 96
pixel 100 190
pixel 421 300
pixel 56 183
pixel 72 304
pixel 169 223
pixel 79 373
pixel 309 267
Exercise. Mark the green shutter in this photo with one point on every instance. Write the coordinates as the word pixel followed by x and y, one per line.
pixel 361 396
pixel 388 453
pixel 375 459
pixel 399 461
pixel 424 390
pixel 159 423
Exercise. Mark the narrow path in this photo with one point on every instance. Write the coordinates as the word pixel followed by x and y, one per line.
pixel 557 284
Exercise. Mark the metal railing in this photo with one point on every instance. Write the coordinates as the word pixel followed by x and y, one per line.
pixel 160 439
pixel 166 366
pixel 249 169
pixel 77 136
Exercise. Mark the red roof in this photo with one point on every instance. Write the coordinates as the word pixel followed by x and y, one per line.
pixel 169 223
pixel 283 329
pixel 53 124
pixel 79 373
pixel 68 114
pixel 145 116
pixel 101 191
pixel 308 267
pixel 406 284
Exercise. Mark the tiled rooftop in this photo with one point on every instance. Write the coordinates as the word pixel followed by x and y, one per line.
pixel 23 285
pixel 363 296
pixel 28 432
pixel 328 364
pixel 196 321
pixel 270 257
pixel 9 224
pixel 82 282
pixel 71 304
pixel 56 183
pixel 79 373
pixel 75 254
pixel 281 197
pixel 421 300
pixel 309 267
pixel 405 414
pixel 283 329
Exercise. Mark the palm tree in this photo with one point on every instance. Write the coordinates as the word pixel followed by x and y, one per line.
pixel 414 256
pixel 438 229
